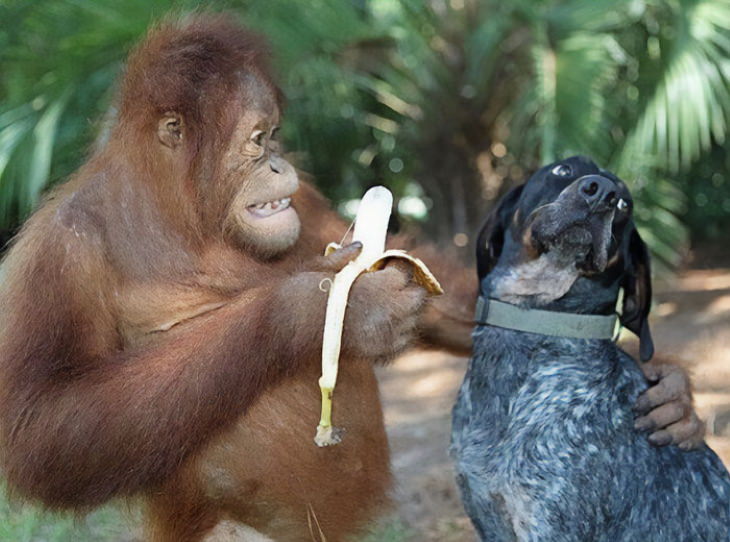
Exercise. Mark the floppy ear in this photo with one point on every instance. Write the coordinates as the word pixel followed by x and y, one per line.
pixel 637 293
pixel 491 237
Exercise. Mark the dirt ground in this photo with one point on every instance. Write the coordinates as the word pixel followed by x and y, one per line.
pixel 690 323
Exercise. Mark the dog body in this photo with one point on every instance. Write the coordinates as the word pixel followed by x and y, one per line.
pixel 546 449
pixel 543 428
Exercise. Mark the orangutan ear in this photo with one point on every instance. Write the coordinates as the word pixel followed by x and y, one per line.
pixel 170 130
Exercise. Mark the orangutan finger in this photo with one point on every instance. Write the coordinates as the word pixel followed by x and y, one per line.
pixel 341 257
pixel 672 387
pixel 660 438
pixel 661 417
pixel 404 266
pixel 655 371
pixel 688 434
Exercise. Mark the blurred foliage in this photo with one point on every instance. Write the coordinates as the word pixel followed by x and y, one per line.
pixel 450 100
pixel 707 190
pixel 500 88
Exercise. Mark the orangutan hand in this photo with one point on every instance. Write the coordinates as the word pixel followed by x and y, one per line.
pixel 382 313
pixel 665 409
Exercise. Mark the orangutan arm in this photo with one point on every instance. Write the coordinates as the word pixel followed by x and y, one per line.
pixel 448 320
pixel 83 423
pixel 85 418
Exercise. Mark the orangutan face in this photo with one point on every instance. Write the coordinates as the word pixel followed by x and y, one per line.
pixel 260 217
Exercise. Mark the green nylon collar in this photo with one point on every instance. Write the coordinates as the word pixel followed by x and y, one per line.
pixel 558 324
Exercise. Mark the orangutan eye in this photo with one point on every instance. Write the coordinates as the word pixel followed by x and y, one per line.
pixel 258 137
pixel 562 170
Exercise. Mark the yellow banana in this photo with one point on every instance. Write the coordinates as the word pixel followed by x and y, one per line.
pixel 371 226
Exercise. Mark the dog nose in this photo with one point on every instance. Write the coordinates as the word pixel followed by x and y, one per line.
pixel 596 189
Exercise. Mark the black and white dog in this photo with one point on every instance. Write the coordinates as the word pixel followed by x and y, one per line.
pixel 543 429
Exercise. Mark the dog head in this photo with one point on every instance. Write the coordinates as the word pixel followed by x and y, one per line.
pixel 566 240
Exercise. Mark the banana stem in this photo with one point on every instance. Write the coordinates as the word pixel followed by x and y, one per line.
pixel 325 419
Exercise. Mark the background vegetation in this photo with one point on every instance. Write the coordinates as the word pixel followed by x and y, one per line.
pixel 448 102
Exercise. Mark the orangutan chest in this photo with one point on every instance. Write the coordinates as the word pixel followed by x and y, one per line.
pixel 269 456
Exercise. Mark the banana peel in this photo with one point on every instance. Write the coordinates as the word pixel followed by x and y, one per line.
pixel 371 226
pixel 421 273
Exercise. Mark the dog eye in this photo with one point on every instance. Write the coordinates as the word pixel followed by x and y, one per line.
pixel 562 170
pixel 622 205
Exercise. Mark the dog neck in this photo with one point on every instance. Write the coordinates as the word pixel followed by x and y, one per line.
pixel 541 281
pixel 549 284
pixel 504 359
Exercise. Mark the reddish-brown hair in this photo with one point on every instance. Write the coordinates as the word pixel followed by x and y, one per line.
pixel 140 349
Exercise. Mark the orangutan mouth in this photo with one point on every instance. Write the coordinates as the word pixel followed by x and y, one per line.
pixel 269 208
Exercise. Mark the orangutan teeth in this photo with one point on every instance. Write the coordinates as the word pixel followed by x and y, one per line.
pixel 270 207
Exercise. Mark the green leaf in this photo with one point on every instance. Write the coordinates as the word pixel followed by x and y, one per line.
pixel 689 103
pixel 44 135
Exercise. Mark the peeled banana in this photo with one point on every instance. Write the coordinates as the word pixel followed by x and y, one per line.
pixel 371 226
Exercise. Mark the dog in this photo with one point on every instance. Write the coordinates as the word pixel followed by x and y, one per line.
pixel 543 429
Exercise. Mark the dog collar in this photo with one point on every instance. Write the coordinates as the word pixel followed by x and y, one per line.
pixel 558 324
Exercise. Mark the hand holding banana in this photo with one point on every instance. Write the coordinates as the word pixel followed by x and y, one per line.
pixel 371 226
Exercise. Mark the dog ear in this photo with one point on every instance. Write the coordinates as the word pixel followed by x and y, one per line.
pixel 491 236
pixel 637 292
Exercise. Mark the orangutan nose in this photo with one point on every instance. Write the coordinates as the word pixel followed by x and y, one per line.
pixel 276 163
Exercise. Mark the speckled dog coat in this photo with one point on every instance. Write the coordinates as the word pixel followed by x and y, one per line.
pixel 543 435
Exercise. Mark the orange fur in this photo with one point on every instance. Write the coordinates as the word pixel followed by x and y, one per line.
pixel 142 352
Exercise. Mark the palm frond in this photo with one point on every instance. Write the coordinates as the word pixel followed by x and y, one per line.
pixel 586 69
pixel 596 16
pixel 545 73
pixel 689 103
pixel 661 204
pixel 58 62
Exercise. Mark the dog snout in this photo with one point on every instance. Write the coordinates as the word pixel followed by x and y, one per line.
pixel 598 191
